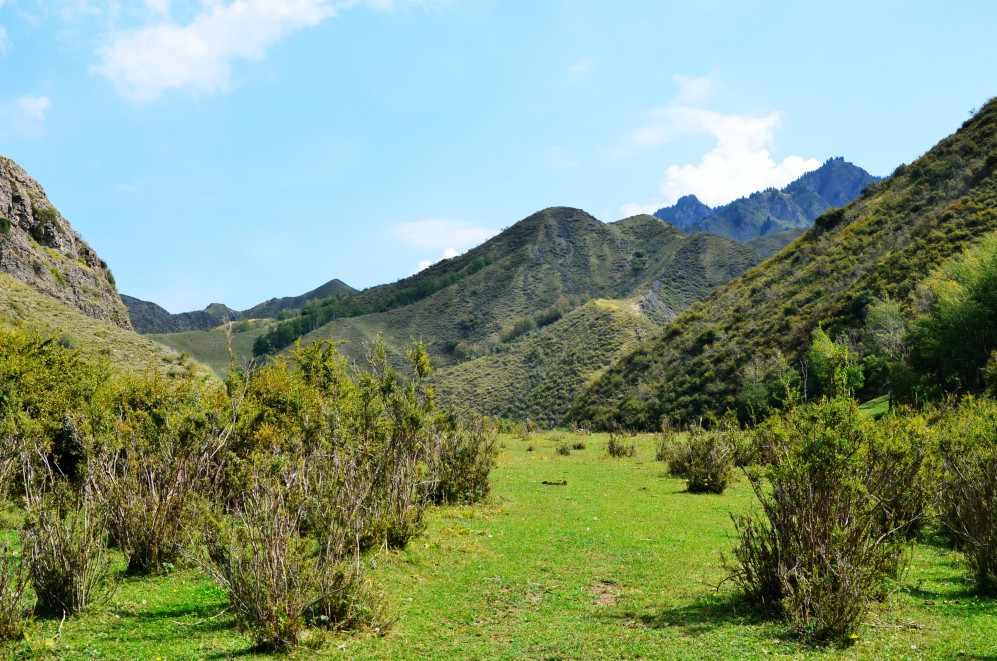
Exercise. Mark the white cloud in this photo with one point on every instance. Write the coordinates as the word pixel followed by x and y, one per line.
pixel 145 62
pixel 4 39
pixel 158 7
pixel 696 90
pixel 439 234
pixel 738 165
pixel 34 107
pixel 633 209
pixel 557 157
pixel 126 188
pixel 24 116
pixel 579 71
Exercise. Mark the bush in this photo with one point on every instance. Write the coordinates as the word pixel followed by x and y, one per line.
pixel 618 449
pixel 13 581
pixel 563 449
pixel 274 579
pixel 463 461
pixel 578 445
pixel 63 542
pixel 707 461
pixel 163 464
pixel 968 456
pixel 834 511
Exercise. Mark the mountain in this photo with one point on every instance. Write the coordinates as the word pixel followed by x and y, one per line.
pixel 39 248
pixel 770 244
pixel 147 317
pixel 833 184
pixel 539 376
pixel 879 246
pixel 272 308
pixel 556 255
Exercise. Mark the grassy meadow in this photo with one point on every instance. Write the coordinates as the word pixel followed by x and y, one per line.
pixel 618 562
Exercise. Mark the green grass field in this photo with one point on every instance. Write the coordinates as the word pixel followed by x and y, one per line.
pixel 621 562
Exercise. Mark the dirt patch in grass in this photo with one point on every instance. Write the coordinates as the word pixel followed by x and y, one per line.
pixel 605 593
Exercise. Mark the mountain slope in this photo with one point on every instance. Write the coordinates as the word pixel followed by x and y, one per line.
pixel 538 376
pixel 270 309
pixel 881 245
pixel 555 254
pixel 39 248
pixel 123 348
pixel 833 184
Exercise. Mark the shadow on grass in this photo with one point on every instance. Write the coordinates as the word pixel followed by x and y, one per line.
pixel 702 616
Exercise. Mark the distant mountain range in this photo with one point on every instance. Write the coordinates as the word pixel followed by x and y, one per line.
pixel 148 317
pixel 833 184
pixel 880 246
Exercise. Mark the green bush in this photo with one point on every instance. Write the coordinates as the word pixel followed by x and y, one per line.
pixel 64 542
pixel 707 460
pixel 835 505
pixel 618 449
pixel 13 582
pixel 968 454
pixel 5 225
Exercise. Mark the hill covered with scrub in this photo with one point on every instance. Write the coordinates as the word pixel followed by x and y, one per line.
pixel 878 248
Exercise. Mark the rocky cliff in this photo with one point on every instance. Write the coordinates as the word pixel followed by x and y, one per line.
pixel 39 248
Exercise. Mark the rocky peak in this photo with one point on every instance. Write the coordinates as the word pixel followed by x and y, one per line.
pixel 38 247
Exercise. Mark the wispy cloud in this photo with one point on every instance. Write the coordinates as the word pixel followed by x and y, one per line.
pixel 452 237
pixel 4 39
pixel 198 55
pixel 440 234
pixel 25 115
pixel 34 107
pixel 579 71
pixel 739 164
pixel 632 209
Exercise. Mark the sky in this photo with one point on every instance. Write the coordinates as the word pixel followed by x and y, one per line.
pixel 237 150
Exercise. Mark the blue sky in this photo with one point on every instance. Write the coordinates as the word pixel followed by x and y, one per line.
pixel 236 150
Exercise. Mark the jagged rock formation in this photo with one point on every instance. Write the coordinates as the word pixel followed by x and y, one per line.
pixel 39 248
pixel 834 184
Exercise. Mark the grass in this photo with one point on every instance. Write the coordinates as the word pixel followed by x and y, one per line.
pixel 620 562
pixel 124 349
pixel 877 407
pixel 210 347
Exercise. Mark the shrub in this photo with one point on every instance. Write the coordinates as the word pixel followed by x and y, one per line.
pixel 4 225
pixel 563 449
pixel 578 445
pixel 969 487
pixel 13 581
pixel 63 542
pixel 618 449
pixel 834 511
pixel 163 463
pixel 708 461
pixel 274 579
pixel 463 460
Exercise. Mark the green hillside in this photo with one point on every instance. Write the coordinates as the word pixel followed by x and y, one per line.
pixel 880 246
pixel 538 376
pixel 124 349
pixel 769 245
pixel 556 254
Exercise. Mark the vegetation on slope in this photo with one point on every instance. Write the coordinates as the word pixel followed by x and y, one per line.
pixel 555 254
pixel 539 375
pixel 879 247
pixel 124 349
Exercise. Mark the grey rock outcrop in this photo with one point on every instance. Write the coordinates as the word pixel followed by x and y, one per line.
pixel 39 248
